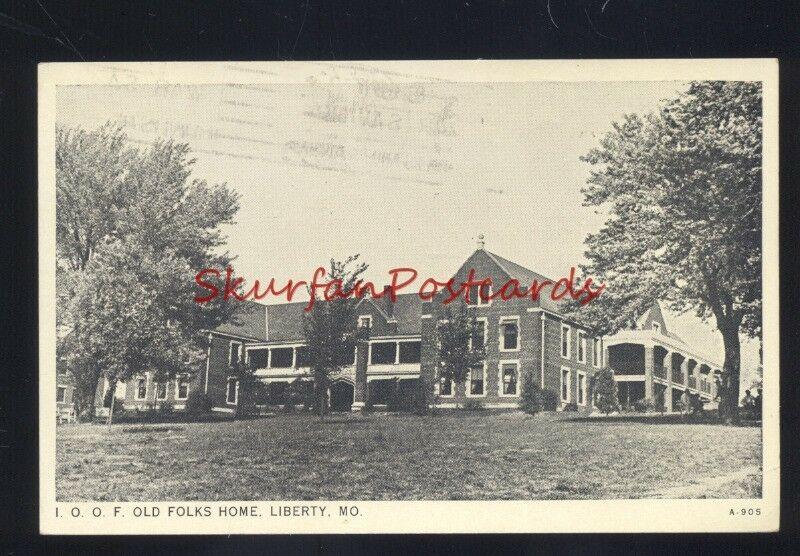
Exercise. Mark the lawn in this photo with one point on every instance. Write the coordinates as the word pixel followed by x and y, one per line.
pixel 448 456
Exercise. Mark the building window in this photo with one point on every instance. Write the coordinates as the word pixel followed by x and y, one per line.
pixel 410 352
pixel 259 358
pixel 281 358
pixel 479 338
pixel 480 295
pixel 566 342
pixel 509 335
pixel 161 390
pixel 485 295
pixel 365 321
pixel 657 327
pixel 234 353
pixel 565 383
pixel 446 388
pixel 232 391
pixel 597 353
pixel 182 388
pixel 141 388
pixel 383 353
pixel 301 357
pixel 581 388
pixel 61 394
pixel 581 337
pixel 509 379
pixel 476 381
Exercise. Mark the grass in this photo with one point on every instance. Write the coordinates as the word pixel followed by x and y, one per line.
pixel 450 456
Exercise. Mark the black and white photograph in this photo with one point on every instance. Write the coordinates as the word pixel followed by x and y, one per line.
pixel 276 294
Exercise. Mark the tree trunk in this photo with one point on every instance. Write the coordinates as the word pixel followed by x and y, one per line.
pixel 730 374
pixel 111 407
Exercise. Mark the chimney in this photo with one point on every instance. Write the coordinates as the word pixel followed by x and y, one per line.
pixel 388 306
pixel 481 242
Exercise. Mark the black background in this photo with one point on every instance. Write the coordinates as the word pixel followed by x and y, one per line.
pixel 44 30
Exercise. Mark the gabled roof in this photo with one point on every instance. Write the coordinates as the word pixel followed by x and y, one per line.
pixel 248 321
pixel 526 276
pixel 656 314
pixel 408 313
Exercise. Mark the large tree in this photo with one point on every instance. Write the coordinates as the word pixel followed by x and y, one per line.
pixel 461 345
pixel 682 188
pixel 331 329
pixel 132 229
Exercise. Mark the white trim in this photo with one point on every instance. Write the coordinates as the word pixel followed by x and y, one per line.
pixel 208 360
pixel 569 341
pixel 579 375
pixel 500 382
pixel 365 318
pixel 468 384
pixel 561 385
pixel 64 389
pixel 426 317
pixel 580 337
pixel 222 409
pixel 237 336
pixel 630 378
pixel 501 336
pixel 146 379
pixel 542 350
pixel 230 350
pixel 227 391
pixel 597 353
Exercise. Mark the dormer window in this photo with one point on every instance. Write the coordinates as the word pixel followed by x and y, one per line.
pixel 657 327
pixel 365 321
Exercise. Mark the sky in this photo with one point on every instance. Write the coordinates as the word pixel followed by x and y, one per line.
pixel 405 174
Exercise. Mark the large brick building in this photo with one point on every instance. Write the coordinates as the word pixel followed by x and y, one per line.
pixel 521 337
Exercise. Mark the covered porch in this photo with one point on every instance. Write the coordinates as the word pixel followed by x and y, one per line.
pixel 649 367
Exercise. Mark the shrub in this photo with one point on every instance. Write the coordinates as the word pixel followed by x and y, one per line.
pixel 531 401
pixel 473 405
pixel 550 400
pixel 198 402
pixel 571 407
pixel 300 392
pixel 644 405
pixel 166 408
pixel 604 391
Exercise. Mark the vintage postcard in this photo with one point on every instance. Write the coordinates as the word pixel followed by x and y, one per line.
pixel 409 297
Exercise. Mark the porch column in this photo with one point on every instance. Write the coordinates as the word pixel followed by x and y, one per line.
pixel 648 371
pixel 360 385
pixel 685 371
pixel 668 391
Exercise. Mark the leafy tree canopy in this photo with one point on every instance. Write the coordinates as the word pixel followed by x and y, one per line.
pixel 132 229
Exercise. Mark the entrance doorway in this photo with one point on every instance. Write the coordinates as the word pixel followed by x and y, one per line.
pixel 341 396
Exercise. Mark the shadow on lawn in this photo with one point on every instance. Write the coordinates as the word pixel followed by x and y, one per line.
pixel 709 419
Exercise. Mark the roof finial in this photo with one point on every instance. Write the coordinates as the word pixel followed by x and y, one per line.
pixel 481 242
